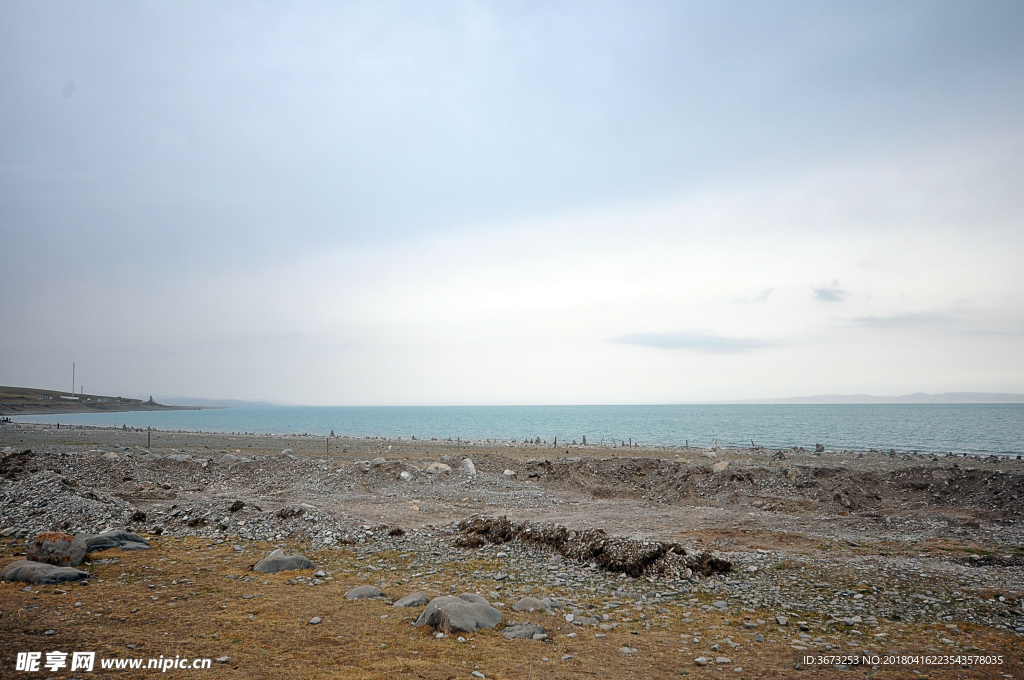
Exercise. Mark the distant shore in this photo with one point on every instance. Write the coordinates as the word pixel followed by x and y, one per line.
pixel 28 401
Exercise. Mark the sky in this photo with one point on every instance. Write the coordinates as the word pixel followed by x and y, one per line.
pixel 404 203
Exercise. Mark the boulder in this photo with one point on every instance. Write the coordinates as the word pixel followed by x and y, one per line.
pixel 405 476
pixel 278 561
pixel 531 603
pixel 228 458
pixel 110 455
pixel 377 462
pixel 416 599
pixel 468 467
pixel 526 630
pixel 125 540
pixel 40 573
pixel 56 548
pixel 364 593
pixel 448 614
pixel 508 474
pixel 438 468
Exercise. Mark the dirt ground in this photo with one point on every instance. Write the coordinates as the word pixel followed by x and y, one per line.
pixel 885 555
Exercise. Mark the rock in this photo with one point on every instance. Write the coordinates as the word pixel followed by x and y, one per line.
pixel 449 613
pixel 508 474
pixel 315 620
pixel 720 465
pixel 468 467
pixel 628 650
pixel 759 638
pixel 56 548
pixel 473 597
pixel 9 531
pixel 701 661
pixel 569 618
pixel 125 540
pixel 405 476
pixel 40 573
pixel 478 674
pixel 110 455
pixel 377 462
pixel 587 621
pixel 818 448
pixel 782 620
pixel 752 569
pixel 223 659
pixel 438 468
pixel 720 604
pixel 722 659
pixel 416 599
pixel 278 561
pixel 236 506
pixel 228 458
pixel 524 631
pixel 531 603
pixel 364 593
pixel 287 452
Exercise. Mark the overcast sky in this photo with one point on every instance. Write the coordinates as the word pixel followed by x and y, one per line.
pixel 512 203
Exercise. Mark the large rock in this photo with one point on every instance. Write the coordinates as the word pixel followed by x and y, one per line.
pixel 364 593
pixel 531 603
pixel 416 599
pixel 437 469
pixel 526 630
pixel 468 467
pixel 40 573
pixel 125 540
pixel 56 548
pixel 278 561
pixel 448 614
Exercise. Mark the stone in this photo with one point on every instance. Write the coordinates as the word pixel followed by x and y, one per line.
pixel 478 674
pixel 437 469
pixel 524 631
pixel 9 531
pixel 228 458
pixel 40 573
pixel 405 476
pixel 125 540
pixel 473 597
pixel 448 614
pixel 782 620
pixel 377 462
pixel 586 621
pixel 759 638
pixel 701 661
pixel 416 599
pixel 315 620
pixel 531 603
pixel 721 604
pixel 364 593
pixel 468 467
pixel 56 548
pixel 110 455
pixel 278 561
pixel 628 650
pixel 287 452
pixel 508 474
pixel 722 659
pixel 223 659
pixel 720 465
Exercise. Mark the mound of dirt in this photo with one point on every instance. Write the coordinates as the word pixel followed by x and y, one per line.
pixel 616 554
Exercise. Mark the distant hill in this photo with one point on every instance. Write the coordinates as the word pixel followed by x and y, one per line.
pixel 31 401
pixel 916 398
pixel 217 403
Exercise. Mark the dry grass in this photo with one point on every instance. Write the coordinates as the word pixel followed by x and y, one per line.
pixel 204 614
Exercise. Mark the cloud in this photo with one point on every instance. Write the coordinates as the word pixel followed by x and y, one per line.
pixel 905 320
pixel 764 295
pixel 698 341
pixel 829 294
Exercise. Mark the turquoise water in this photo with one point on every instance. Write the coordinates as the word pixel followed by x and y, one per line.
pixel 932 428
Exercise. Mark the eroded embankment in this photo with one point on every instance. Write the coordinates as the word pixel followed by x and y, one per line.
pixel 781 486
pixel 612 553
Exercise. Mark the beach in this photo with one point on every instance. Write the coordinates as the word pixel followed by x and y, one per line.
pixel 929 545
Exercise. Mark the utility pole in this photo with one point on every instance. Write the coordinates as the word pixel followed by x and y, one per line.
pixel 72 378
